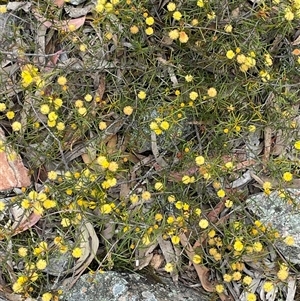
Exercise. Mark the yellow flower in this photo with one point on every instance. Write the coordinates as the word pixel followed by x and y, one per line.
pixel 203 223
pixel 52 116
pixel 200 3
pixel 158 217
pixel 99 8
pixel 82 111
pixel 244 68
pixel 47 296
pixel 241 58
pixel 106 209
pixel 297 145
pixel 228 28
pixel 197 211
pixel 282 274
pixel 155 127
pixel 229 165
pixel 60 126
pixel 2 106
pixel 238 245
pixel 128 110
pixel 268 286
pixel 197 259
pixel 174 34
pixel 113 166
pixel 10 114
pixel 267 187
pixel 193 95
pixel 3 9
pixel 186 180
pixel 146 240
pixel 221 193
pixel 65 222
pixel 186 207
pixel 251 128
pixel 171 198
pixel 230 54
pixel 183 37
pixel 247 280
pixel 265 76
pixel 199 160
pixel 179 205
pixel 170 220
pixel 149 21
pixel 48 204
pixel 102 125
pixel 16 126
pixel 45 109
pixel 289 240
pixel 88 97
pixel 134 29
pixel 219 288
pixel 289 15
pixel 171 6
pixel 211 15
pixel 228 203
pixel 78 103
pixel 287 176
pixel 149 31
pixel 41 264
pixel 77 252
pixel 189 78
pixel 142 95
pixel 164 125
pixel 82 47
pixel 146 196
pixel 175 239
pixel 51 124
pixel 227 277
pixel 52 175
pixel 158 186
pixel 103 162
pixel 61 80
pixel 134 198
pixel 169 267
pixel 257 246
pixel 17 287
pixel 212 92
pixel 25 203
pixel 109 7
pixel 28 75
pixel 236 276
pixel 251 297
pixel 22 252
pixel 177 15
pixel 268 60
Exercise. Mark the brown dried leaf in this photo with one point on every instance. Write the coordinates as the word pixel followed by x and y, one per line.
pixel 59 3
pixel 144 256
pixel 202 271
pixel 111 146
pixel 157 261
pixel 12 171
pixel 101 88
pixel 169 254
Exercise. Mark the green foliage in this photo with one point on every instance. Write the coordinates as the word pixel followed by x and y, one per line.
pixel 135 128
